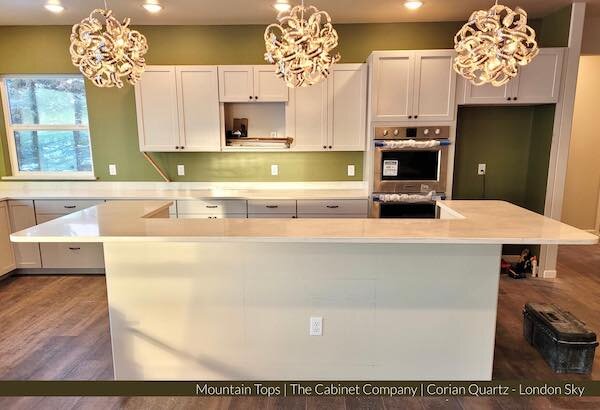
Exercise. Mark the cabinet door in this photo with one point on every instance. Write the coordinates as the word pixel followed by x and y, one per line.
pixel 199 116
pixel 267 86
pixel 307 118
pixel 236 83
pixel 347 107
pixel 487 93
pixel 156 104
pixel 22 216
pixel 393 79
pixel 7 256
pixel 435 86
pixel 539 81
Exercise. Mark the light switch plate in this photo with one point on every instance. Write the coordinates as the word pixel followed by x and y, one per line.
pixel 481 169
pixel 274 169
pixel 273 134
pixel 112 169
pixel 351 170
pixel 316 326
pixel 181 170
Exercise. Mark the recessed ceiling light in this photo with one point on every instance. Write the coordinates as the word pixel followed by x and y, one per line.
pixel 282 6
pixel 152 7
pixel 54 7
pixel 413 4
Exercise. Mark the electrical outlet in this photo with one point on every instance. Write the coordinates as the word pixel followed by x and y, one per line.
pixel 112 169
pixel 481 169
pixel 274 169
pixel 316 326
pixel 181 170
pixel 273 134
pixel 351 170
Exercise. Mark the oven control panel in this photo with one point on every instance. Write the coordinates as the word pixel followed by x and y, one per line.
pixel 400 133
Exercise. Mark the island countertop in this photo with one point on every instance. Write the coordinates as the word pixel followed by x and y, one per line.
pixel 468 222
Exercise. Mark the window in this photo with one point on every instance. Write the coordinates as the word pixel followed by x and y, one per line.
pixel 47 126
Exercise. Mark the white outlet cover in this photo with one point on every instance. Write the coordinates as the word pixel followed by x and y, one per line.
pixel 274 169
pixel 316 326
pixel 112 169
pixel 481 169
pixel 351 170
pixel 273 134
pixel 181 170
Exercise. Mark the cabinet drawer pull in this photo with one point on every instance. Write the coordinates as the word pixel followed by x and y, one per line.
pixel 70 206
pixel 272 206
pixel 74 248
pixel 212 206
pixel 333 206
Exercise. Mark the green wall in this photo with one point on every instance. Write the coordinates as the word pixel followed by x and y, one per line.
pixel 44 50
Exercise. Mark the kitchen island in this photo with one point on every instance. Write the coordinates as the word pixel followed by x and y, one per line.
pixel 232 299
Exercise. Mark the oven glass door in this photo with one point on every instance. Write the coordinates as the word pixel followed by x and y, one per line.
pixel 407 165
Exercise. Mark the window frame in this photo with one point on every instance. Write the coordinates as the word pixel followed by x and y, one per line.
pixel 10 134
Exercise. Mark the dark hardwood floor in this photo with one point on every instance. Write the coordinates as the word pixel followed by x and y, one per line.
pixel 56 327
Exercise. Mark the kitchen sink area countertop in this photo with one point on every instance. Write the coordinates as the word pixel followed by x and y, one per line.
pixel 461 222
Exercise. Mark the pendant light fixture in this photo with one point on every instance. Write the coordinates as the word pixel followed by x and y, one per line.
pixel 301 46
pixel 106 51
pixel 493 44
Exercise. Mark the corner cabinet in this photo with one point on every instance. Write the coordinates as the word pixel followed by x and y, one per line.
pixel 178 109
pixel 7 256
pixel 413 85
pixel 330 115
pixel 537 83
pixel 251 83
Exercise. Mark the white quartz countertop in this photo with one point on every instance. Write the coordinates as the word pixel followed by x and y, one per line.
pixel 473 222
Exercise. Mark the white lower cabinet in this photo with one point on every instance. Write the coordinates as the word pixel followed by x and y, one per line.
pixel 7 257
pixel 211 207
pixel 22 216
pixel 356 207
pixel 212 216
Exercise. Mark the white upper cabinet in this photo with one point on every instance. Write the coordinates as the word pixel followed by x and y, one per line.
pixel 156 104
pixel 330 115
pixel 178 109
pixel 199 114
pixel 247 83
pixel 413 85
pixel 392 85
pixel 306 117
pixel 236 83
pixel 435 86
pixel 347 87
pixel 537 83
pixel 267 86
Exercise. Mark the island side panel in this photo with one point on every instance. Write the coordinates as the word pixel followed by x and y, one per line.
pixel 240 310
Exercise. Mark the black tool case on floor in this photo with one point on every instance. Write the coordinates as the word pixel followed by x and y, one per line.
pixel 564 342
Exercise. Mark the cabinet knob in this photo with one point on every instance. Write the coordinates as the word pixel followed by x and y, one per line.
pixel 250 97
pixel 256 97
pixel 324 146
pixel 176 147
pixel 330 147
pixel 182 147
pixel 416 116
pixel 515 99
pixel 509 98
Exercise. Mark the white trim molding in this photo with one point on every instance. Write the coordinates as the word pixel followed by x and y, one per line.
pixel 563 124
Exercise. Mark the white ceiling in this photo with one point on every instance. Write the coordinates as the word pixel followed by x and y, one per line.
pixel 180 12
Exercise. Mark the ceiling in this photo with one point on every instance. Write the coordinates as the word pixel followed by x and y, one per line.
pixel 184 12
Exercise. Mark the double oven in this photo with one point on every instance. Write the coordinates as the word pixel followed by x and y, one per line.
pixel 410 171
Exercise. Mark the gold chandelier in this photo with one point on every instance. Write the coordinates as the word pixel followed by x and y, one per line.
pixel 493 44
pixel 301 46
pixel 105 53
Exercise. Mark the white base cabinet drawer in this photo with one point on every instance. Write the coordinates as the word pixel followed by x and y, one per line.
pixel 216 207
pixel 334 207
pixel 279 215
pixel 272 206
pixel 212 216
pixel 63 207
pixel 332 216
pixel 72 255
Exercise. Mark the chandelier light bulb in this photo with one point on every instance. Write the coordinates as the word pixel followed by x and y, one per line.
pixel 493 45
pixel 301 46
pixel 413 4
pixel 106 51
pixel 282 6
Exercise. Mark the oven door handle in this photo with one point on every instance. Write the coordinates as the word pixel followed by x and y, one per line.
pixel 387 144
